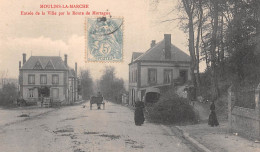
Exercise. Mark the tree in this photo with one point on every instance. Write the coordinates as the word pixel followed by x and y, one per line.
pixel 243 38
pixel 110 86
pixel 86 84
pixel 8 94
pixel 226 38
pixel 189 6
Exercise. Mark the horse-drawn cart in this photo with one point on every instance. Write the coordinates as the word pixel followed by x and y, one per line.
pixel 97 100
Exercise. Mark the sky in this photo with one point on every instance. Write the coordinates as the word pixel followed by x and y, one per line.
pixel 58 35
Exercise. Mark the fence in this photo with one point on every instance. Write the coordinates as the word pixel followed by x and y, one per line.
pixel 244 120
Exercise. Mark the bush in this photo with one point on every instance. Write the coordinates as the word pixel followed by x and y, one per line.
pixel 8 94
pixel 171 109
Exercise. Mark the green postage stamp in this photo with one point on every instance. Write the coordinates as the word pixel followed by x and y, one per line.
pixel 104 39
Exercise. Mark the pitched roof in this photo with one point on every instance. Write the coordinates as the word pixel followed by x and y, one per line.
pixel 156 53
pixel 56 61
pixel 136 55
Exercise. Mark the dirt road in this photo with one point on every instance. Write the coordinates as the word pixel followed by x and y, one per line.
pixel 78 129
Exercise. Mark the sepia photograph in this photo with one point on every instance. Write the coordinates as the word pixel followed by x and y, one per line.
pixel 130 76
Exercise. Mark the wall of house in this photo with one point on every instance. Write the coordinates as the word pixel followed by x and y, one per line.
pixel 133 95
pixel 133 82
pixel 37 76
pixel 61 86
pixel 133 72
pixel 160 67
pixel 140 80
pixel 35 93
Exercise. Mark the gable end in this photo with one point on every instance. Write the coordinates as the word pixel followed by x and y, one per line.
pixel 38 65
pixel 49 65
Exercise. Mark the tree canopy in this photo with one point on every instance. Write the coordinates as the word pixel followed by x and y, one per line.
pixel 110 86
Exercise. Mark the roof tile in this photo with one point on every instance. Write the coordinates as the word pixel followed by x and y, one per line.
pixel 156 53
pixel 57 62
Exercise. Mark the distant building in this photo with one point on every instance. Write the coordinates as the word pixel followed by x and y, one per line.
pixel 49 72
pixel 158 67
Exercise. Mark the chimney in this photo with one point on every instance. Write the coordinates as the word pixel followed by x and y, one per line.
pixel 153 43
pixel 66 59
pixel 24 58
pixel 20 64
pixel 167 48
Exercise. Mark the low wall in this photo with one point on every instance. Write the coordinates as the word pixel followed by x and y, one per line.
pixel 244 121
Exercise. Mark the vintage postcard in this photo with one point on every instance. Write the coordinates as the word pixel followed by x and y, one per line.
pixel 129 76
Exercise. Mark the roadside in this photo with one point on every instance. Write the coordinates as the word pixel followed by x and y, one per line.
pixel 11 116
pixel 218 139
pixel 174 132
pixel 203 138
pixel 19 114
pixel 79 129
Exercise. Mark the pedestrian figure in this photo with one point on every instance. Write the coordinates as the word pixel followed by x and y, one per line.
pixel 101 96
pixel 213 121
pixel 139 114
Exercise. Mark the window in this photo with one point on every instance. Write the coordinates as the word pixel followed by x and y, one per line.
pixel 31 78
pixel 55 93
pixel 43 79
pixel 152 75
pixel 30 93
pixel 55 79
pixel 167 75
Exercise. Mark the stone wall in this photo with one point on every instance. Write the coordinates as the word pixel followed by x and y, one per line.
pixel 244 121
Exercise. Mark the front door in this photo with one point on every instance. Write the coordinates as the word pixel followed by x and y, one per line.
pixel 55 93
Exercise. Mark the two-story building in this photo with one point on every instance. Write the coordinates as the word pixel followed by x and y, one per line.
pixel 51 73
pixel 158 67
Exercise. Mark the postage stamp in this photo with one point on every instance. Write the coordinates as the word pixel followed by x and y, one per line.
pixel 104 39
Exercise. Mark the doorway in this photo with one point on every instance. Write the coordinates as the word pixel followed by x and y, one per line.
pixel 183 75
pixel 44 91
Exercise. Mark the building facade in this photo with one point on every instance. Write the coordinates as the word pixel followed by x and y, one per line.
pixel 158 67
pixel 47 76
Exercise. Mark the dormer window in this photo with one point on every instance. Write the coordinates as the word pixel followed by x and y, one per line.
pixel 38 65
pixel 49 65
